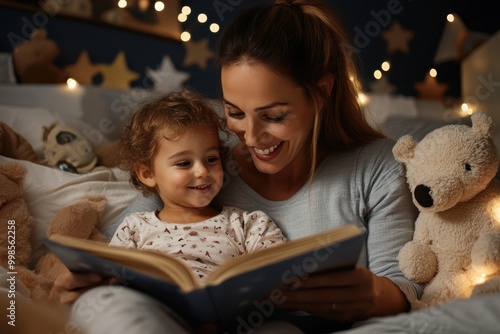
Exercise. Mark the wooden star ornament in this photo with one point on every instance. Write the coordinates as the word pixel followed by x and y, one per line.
pixel 382 86
pixel 397 38
pixel 430 88
pixel 198 53
pixel 117 74
pixel 83 70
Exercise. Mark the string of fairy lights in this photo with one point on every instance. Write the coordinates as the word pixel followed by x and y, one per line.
pixel 463 109
pixel 183 16
pixel 202 18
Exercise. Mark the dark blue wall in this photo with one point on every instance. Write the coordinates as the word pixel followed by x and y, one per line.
pixel 426 18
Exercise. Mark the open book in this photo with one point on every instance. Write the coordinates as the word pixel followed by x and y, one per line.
pixel 238 287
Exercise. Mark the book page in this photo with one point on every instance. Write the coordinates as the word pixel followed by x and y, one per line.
pixel 249 262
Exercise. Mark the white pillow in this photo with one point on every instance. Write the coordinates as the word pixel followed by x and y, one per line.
pixel 48 190
pixel 28 122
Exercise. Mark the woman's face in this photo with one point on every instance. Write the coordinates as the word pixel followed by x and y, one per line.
pixel 270 114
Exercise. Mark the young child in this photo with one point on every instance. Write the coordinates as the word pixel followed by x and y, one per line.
pixel 172 147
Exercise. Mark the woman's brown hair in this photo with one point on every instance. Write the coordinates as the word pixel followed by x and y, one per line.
pixel 303 40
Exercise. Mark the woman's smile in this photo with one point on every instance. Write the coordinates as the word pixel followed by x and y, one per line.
pixel 266 151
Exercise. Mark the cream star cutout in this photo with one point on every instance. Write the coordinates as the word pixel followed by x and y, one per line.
pixel 198 53
pixel 430 88
pixel 117 75
pixel 382 86
pixel 397 38
pixel 83 70
pixel 166 77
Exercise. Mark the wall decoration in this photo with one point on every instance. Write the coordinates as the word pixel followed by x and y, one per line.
pixel 166 78
pixel 117 75
pixel 430 88
pixel 152 17
pixel 83 70
pixel 198 53
pixel 382 86
pixel 457 41
pixel 397 38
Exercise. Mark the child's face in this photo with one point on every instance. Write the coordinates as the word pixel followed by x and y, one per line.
pixel 187 171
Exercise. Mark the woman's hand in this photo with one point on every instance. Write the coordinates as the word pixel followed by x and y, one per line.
pixel 346 296
pixel 69 286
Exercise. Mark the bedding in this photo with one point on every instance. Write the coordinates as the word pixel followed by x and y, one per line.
pixel 99 114
pixel 47 190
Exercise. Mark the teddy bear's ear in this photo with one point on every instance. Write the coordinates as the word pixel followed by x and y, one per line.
pixel 46 130
pixel 483 124
pixel 404 149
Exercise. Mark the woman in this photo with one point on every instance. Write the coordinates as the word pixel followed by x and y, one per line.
pixel 308 158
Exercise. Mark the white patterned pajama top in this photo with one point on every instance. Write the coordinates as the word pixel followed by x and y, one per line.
pixel 203 245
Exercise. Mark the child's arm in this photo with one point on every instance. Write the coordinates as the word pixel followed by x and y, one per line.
pixel 125 233
pixel 261 232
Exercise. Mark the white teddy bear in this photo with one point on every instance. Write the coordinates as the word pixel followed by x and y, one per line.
pixel 456 245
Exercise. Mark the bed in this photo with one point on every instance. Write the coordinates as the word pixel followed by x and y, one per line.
pixel 100 113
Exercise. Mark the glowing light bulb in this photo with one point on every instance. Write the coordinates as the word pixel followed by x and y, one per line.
pixel 159 6
pixel 214 27
pixel 186 10
pixel 185 36
pixel 386 66
pixel 202 18
pixel 450 17
pixel 182 17
pixel 377 74
pixel 433 73
pixel 362 99
pixel 72 83
pixel 122 4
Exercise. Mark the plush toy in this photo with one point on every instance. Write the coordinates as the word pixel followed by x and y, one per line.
pixel 67 149
pixel 16 225
pixel 80 220
pixel 13 145
pixel 456 245
pixel 33 60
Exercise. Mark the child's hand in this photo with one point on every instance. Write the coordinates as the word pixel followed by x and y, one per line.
pixel 68 286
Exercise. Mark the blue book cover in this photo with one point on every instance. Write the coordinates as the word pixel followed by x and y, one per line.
pixel 250 283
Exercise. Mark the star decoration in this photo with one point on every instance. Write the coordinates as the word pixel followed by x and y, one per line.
pixel 198 53
pixel 457 42
pixel 397 38
pixel 382 86
pixel 166 77
pixel 117 75
pixel 430 88
pixel 83 70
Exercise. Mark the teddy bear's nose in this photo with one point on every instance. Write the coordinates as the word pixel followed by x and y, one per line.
pixel 423 196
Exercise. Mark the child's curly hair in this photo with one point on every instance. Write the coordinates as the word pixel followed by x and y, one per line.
pixel 178 111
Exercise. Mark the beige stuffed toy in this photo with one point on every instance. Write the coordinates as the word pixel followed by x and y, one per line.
pixel 80 220
pixel 16 226
pixel 67 149
pixel 456 245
